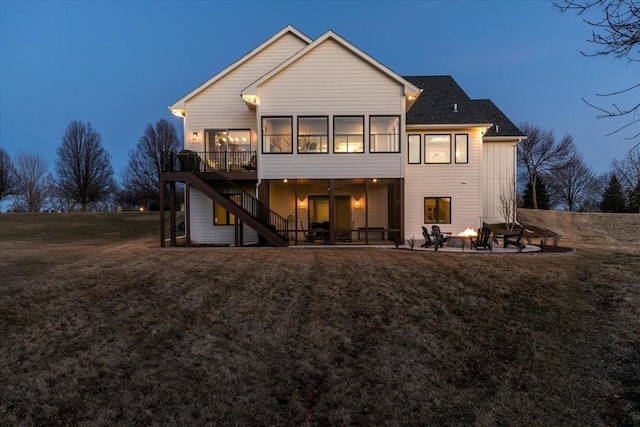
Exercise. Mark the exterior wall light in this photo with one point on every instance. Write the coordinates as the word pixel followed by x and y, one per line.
pixel 356 204
pixel 194 137
pixel 301 205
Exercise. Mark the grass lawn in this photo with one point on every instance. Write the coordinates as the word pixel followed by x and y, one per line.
pixel 100 326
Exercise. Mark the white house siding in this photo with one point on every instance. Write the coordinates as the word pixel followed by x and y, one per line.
pixel 220 106
pixel 331 80
pixel 498 167
pixel 202 230
pixel 461 182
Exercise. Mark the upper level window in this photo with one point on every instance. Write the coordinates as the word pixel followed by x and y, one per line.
pixel 313 135
pixel 277 135
pixel 415 152
pixel 384 134
pixel 437 148
pixel 462 148
pixel 348 134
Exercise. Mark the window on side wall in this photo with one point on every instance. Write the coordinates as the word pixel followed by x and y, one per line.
pixel 437 148
pixel 348 134
pixel 221 216
pixel 415 151
pixel 277 135
pixel 384 134
pixel 437 210
pixel 462 148
pixel 313 135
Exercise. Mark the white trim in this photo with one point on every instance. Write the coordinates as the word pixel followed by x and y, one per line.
pixel 408 87
pixel 180 104
pixel 515 139
pixel 449 126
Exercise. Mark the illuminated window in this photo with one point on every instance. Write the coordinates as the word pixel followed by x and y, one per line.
pixel 348 134
pixel 313 135
pixel 415 151
pixel 384 134
pixel 462 148
pixel 437 210
pixel 276 135
pixel 221 216
pixel 437 148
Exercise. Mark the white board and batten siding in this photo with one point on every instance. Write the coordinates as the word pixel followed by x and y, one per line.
pixel 460 182
pixel 498 168
pixel 220 106
pixel 202 230
pixel 328 81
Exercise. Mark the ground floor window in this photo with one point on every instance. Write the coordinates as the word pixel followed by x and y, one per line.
pixel 437 210
pixel 221 216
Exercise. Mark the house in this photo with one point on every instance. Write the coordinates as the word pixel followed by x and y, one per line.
pixel 305 139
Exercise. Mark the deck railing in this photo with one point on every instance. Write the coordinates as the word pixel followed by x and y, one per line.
pixel 220 161
pixel 190 161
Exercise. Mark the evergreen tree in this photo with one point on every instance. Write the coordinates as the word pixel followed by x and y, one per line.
pixel 634 199
pixel 613 199
pixel 541 195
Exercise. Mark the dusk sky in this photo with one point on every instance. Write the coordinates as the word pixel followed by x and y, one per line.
pixel 120 64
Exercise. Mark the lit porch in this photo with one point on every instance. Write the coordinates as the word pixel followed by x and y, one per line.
pixel 358 211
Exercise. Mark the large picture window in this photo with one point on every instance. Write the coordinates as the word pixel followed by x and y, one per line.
pixel 462 148
pixel 437 210
pixel 277 135
pixel 348 134
pixel 384 134
pixel 313 135
pixel 437 148
pixel 415 151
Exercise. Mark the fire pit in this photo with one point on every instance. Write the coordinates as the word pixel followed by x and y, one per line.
pixel 460 240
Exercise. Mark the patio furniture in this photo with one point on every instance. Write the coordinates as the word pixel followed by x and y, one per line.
pixel 438 235
pixel 517 241
pixel 345 234
pixel 251 166
pixel 427 239
pixel 483 239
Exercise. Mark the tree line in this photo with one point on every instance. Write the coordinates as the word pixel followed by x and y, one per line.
pixel 554 175
pixel 82 178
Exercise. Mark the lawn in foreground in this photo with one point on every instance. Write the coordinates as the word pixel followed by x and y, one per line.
pixel 125 332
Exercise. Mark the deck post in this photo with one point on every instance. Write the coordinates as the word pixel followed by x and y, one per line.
pixel 366 211
pixel 172 214
pixel 162 244
pixel 187 209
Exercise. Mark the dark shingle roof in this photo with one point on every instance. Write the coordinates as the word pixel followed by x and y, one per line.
pixel 436 106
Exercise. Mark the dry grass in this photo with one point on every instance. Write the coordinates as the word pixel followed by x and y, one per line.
pixel 110 329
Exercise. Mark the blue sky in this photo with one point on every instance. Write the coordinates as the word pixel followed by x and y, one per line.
pixel 120 64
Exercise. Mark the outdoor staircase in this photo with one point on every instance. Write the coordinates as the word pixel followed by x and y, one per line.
pixel 189 168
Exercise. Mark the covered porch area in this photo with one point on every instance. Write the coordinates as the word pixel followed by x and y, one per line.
pixel 338 211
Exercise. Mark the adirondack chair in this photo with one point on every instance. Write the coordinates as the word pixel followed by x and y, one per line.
pixel 517 241
pixel 427 239
pixel 437 235
pixel 483 239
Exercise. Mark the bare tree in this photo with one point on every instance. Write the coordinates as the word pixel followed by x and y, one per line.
pixel 539 154
pixel 8 179
pixel 615 32
pixel 573 182
pixel 142 174
pixel 508 200
pixel 31 173
pixel 83 168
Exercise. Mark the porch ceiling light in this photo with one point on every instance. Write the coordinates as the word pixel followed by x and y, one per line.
pixel 375 179
pixel 285 180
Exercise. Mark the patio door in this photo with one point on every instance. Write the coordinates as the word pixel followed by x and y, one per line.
pixel 319 211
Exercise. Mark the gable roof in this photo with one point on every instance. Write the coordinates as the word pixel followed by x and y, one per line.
pixel 409 88
pixel 437 105
pixel 180 104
